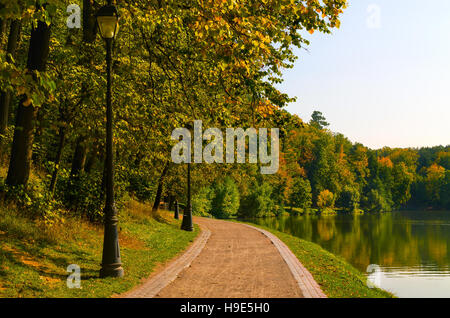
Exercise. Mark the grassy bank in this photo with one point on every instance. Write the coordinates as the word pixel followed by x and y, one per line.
pixel 336 277
pixel 33 258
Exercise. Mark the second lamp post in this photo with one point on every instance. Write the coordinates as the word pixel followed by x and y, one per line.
pixel 186 224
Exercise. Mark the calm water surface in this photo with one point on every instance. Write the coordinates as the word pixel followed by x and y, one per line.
pixel 411 248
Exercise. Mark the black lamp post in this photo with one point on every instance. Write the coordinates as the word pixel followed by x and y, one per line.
pixel 176 216
pixel 186 224
pixel 108 24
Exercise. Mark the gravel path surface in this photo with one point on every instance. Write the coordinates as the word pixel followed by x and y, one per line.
pixel 231 260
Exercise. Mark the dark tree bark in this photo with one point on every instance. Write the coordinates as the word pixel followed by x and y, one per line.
pixel 92 158
pixel 160 188
pixel 89 23
pixel 79 157
pixel 20 162
pixel 5 97
pixel 171 202
pixel 62 137
pixel 3 23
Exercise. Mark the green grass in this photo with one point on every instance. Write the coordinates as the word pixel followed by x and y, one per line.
pixel 336 277
pixel 33 258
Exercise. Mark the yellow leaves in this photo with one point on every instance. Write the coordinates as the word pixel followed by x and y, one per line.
pixel 435 171
pixel 27 102
pixel 311 31
pixel 265 108
pixel 21 90
pixel 385 162
pixel 49 280
pixel 325 199
pixel 29 12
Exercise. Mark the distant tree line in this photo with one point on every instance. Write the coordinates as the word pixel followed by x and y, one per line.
pixel 326 172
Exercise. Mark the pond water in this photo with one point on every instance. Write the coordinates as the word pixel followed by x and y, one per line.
pixel 409 251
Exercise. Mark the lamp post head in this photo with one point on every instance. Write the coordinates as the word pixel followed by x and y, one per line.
pixel 108 21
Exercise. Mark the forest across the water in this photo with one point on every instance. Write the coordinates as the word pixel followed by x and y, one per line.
pixel 322 171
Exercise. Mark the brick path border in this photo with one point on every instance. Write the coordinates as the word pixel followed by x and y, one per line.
pixel 154 285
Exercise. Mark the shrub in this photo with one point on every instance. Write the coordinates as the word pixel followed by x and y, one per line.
pixel 325 200
pixel 258 203
pixel 141 187
pixel 83 195
pixel 226 199
pixel 34 201
pixel 376 202
pixel 349 199
pixel 278 210
pixel 301 196
pixel 202 202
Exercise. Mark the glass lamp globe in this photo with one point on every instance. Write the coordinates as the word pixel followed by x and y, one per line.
pixel 108 21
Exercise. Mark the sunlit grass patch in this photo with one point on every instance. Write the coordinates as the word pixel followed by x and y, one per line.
pixel 34 258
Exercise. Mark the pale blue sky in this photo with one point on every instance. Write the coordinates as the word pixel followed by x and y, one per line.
pixel 387 86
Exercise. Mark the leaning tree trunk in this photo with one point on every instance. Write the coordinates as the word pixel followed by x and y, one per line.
pixel 160 188
pixel 5 97
pixel 20 161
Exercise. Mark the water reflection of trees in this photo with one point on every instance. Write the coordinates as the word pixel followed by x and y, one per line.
pixel 388 239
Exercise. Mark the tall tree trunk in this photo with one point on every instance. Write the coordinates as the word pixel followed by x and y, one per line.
pixel 79 157
pixel 171 202
pixel 160 188
pixel 92 159
pixel 62 137
pixel 20 162
pixel 89 22
pixel 5 97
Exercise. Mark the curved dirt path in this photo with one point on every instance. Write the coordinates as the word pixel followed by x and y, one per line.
pixel 232 260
